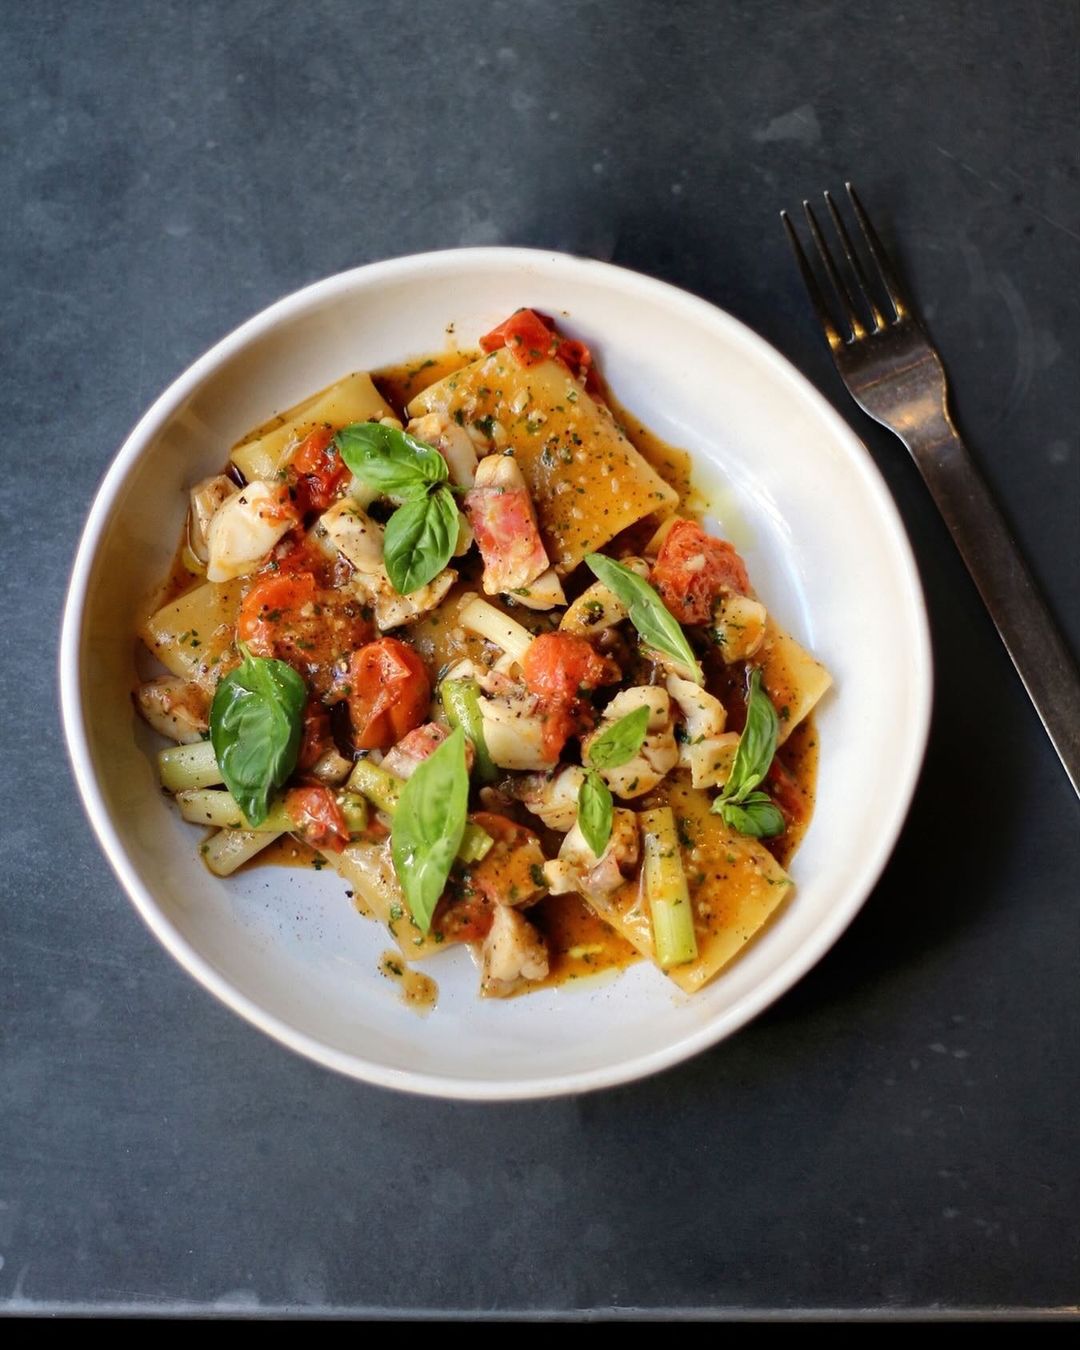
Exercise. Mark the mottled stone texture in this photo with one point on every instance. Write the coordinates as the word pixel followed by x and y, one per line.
pixel 900 1131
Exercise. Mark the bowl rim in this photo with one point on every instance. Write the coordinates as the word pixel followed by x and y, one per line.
pixel 73 713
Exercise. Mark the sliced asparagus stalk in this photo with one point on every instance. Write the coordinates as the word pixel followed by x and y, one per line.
pixel 674 941
pixel 461 703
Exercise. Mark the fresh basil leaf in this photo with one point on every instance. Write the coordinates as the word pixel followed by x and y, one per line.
pixel 750 812
pixel 389 460
pixel 648 613
pixel 428 826
pixel 756 816
pixel 419 540
pixel 256 720
pixel 620 742
pixel 757 744
pixel 594 814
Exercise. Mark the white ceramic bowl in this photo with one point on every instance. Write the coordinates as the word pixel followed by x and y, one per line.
pixel 790 483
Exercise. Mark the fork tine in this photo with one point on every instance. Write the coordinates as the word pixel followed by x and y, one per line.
pixel 880 257
pixel 855 264
pixel 839 285
pixel 832 334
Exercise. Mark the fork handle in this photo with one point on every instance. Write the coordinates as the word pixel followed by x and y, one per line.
pixel 1019 612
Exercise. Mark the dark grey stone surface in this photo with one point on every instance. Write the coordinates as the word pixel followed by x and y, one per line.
pixel 901 1130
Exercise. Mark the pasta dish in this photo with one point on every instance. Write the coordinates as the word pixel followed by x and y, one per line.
pixel 458 631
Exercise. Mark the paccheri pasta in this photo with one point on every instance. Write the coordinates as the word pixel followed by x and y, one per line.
pixel 465 642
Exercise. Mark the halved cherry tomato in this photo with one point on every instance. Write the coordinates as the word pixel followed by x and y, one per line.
pixel 271 608
pixel 693 569
pixel 389 693
pixel 317 817
pixel 319 470
pixel 527 336
pixel 287 615
pixel 510 871
pixel 310 456
pixel 531 337
pixel 558 668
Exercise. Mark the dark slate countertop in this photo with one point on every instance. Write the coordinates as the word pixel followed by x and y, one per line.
pixel 899 1132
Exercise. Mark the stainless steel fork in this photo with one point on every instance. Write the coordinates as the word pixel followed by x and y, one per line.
pixel 894 373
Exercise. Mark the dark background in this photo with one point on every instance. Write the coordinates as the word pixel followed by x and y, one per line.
pixel 898 1132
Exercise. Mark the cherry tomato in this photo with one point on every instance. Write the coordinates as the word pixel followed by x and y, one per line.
pixel 319 470
pixel 287 615
pixel 317 817
pixel 272 608
pixel 531 337
pixel 526 335
pixel 693 569
pixel 557 668
pixel 389 693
